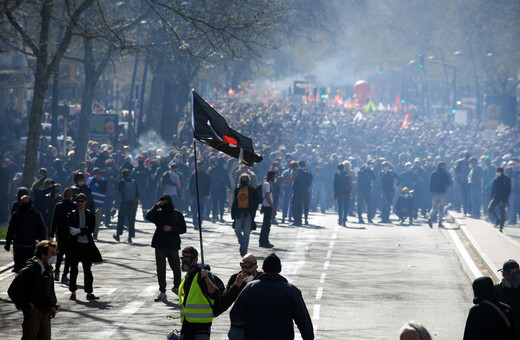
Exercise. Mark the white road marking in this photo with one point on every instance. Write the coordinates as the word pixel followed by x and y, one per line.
pixel 334 236
pixel 336 228
pixel 465 256
pixel 295 259
pixel 319 293
pixel 6 275
pixel 331 244
pixel 130 308
pixel 329 253
pixel 322 278
pixel 326 265
pixel 316 313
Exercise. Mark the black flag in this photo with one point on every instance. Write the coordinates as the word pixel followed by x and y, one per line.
pixel 210 128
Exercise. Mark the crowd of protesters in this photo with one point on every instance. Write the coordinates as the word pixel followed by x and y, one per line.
pixel 290 136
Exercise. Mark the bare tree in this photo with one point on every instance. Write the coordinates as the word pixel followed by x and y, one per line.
pixel 36 41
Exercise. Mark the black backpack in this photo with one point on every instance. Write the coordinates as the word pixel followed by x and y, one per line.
pixel 216 306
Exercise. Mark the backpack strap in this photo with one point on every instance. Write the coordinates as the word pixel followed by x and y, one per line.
pixel 499 311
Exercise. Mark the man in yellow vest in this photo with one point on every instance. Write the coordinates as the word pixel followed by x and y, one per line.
pixel 197 294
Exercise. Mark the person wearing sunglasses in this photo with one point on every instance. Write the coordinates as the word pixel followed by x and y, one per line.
pixel 81 247
pixel 269 306
pixel 248 272
pixel 508 291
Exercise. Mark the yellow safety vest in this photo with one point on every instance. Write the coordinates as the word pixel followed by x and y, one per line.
pixel 197 308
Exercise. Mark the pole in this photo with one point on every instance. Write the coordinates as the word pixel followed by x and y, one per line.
pixel 198 202
pixel 55 93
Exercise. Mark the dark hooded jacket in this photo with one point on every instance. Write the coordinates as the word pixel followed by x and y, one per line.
pixel 32 285
pixel 489 318
pixel 25 227
pixel 266 308
pixel 166 215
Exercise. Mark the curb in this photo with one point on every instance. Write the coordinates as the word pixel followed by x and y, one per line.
pixel 474 243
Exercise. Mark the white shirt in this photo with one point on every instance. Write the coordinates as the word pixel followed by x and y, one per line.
pixel 266 190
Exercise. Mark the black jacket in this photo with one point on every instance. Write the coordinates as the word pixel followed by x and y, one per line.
pixel 204 185
pixel 388 181
pixel 267 307
pixel 484 320
pixel 342 184
pixel 439 182
pixel 501 189
pixel 90 223
pixel 232 291
pixel 510 297
pixel 25 227
pixel 166 216
pixel 31 285
pixel 59 225
pixel 365 178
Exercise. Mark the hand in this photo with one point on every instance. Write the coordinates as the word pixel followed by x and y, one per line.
pixel 274 212
pixel 501 204
pixel 241 278
pixel 167 228
pixel 52 313
pixel 203 273
pixel 7 247
pixel 160 203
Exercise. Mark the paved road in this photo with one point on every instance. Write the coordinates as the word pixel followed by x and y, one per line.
pixel 359 282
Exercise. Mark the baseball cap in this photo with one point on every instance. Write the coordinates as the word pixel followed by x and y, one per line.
pixel 508 265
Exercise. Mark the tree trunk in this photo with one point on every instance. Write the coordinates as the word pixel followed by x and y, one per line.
pixel 41 84
pixel 91 78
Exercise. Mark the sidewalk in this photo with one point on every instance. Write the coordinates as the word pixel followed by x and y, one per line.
pixel 6 258
pixel 493 246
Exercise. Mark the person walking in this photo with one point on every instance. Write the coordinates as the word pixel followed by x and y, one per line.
pixel 500 192
pixel 81 247
pixel 342 192
pixel 439 183
pixel 60 229
pixel 489 318
pixel 128 205
pixel 287 191
pixel 26 226
pixel 32 291
pixel 204 190
pixel 243 212
pixel 248 272
pixel 197 293
pixel 508 291
pixel 220 185
pixel 269 305
pixel 166 241
pixel 389 183
pixel 475 187
pixel 365 177
pixel 98 186
pixel 267 209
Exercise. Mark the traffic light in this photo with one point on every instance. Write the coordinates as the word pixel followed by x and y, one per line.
pixel 322 93
pixel 380 70
pixel 453 111
pixel 421 62
pixel 402 101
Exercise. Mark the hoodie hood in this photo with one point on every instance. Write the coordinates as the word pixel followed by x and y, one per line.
pixel 483 289
pixel 170 203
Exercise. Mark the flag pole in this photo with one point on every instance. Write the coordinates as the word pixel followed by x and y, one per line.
pixel 198 202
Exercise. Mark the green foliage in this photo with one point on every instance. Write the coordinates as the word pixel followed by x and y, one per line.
pixel 3 232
